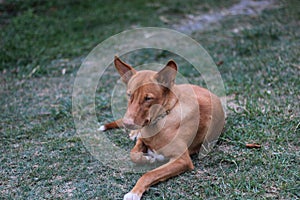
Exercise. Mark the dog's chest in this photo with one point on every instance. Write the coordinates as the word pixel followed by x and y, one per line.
pixel 158 137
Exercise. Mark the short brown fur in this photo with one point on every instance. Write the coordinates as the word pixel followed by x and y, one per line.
pixel 173 120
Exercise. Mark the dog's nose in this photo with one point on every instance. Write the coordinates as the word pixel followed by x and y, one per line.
pixel 129 123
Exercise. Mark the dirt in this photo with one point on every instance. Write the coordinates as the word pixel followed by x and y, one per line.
pixel 201 22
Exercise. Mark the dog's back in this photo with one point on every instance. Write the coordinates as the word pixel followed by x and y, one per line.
pixel 211 121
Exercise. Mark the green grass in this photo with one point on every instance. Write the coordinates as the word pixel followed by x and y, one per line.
pixel 43 158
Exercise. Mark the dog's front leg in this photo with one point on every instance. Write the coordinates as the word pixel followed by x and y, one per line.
pixel 138 153
pixel 112 125
pixel 172 168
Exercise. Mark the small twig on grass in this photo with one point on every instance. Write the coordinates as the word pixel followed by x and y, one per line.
pixel 296 127
pixel 232 142
pixel 295 65
pixel 232 161
pixel 253 146
pixel 33 71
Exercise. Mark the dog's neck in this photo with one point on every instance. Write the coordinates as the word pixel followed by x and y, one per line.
pixel 170 102
pixel 159 117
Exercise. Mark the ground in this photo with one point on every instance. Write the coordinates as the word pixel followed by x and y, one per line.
pixel 42 46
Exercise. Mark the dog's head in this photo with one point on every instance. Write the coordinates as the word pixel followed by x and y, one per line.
pixel 149 92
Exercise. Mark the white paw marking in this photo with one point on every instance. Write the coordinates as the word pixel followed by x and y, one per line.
pixel 102 128
pixel 134 135
pixel 131 196
pixel 155 156
pixel 150 159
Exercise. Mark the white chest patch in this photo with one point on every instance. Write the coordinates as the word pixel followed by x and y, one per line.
pixel 135 134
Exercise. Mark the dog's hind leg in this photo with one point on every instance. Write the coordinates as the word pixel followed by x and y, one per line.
pixel 112 125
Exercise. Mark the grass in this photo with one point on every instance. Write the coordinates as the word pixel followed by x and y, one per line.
pixel 43 158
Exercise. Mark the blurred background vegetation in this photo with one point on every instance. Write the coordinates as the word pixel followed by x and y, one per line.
pixel 42 46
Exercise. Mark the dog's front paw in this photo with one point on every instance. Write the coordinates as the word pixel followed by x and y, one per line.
pixel 155 156
pixel 131 196
pixel 102 128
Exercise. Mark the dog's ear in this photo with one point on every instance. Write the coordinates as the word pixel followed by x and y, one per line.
pixel 125 70
pixel 167 75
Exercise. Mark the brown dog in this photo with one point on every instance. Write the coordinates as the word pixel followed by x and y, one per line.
pixel 173 122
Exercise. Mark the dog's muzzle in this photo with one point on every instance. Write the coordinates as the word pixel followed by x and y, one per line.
pixel 129 124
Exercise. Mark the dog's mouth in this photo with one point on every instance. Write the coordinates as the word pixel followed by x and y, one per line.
pixel 134 126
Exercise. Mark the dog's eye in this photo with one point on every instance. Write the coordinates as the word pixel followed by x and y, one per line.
pixel 128 95
pixel 147 98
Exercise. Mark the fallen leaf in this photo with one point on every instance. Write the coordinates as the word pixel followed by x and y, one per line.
pixel 220 63
pixel 253 146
